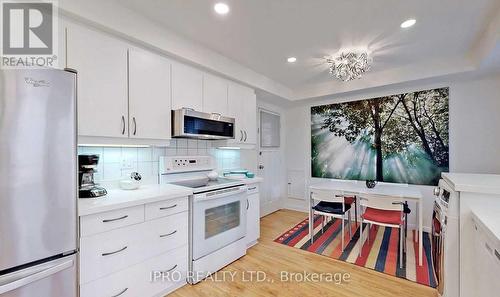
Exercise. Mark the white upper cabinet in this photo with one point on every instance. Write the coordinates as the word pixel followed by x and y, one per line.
pixel 187 87
pixel 242 105
pixel 149 95
pixel 250 106
pixel 214 94
pixel 101 63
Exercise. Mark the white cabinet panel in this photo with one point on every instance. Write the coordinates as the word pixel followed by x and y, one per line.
pixel 143 279
pixel 187 87
pixel 253 217
pixel 112 251
pixel 166 208
pixel 214 94
pixel 242 105
pixel 109 220
pixel 236 110
pixel 101 62
pixel 149 95
pixel 251 117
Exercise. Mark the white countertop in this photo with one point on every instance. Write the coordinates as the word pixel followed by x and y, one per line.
pixel 477 183
pixel 393 190
pixel 488 215
pixel 118 198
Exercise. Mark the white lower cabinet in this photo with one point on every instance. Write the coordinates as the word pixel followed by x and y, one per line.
pixel 158 275
pixel 120 262
pixel 253 215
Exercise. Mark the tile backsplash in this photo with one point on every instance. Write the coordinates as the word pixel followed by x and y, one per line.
pixel 116 163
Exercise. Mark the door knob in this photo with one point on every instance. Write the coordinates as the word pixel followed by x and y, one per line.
pixel 261 166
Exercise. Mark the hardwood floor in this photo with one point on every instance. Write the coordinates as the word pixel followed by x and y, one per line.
pixel 273 258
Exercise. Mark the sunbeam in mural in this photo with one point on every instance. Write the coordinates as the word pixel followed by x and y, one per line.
pixel 399 138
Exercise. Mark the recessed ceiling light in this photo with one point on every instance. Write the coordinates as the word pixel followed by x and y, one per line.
pixel 408 23
pixel 292 60
pixel 221 8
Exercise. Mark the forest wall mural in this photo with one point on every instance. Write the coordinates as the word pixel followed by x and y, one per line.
pixel 399 138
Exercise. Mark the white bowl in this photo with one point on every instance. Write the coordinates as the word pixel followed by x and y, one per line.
pixel 129 184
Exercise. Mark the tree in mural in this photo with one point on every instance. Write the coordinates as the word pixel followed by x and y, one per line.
pixel 392 125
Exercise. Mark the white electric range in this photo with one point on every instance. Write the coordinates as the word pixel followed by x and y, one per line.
pixel 217 213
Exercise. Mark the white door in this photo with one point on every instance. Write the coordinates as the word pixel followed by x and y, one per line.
pixel 101 63
pixel 149 95
pixel 214 94
pixel 271 165
pixel 187 87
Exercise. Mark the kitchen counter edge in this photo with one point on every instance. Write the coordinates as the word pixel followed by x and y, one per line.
pixel 118 198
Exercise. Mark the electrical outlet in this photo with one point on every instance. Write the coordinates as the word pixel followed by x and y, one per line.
pixel 126 164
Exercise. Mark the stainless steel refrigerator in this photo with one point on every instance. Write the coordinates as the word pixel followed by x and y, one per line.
pixel 38 190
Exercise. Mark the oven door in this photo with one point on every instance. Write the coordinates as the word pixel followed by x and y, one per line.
pixel 219 219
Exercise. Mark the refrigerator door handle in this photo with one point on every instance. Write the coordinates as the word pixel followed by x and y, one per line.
pixel 27 276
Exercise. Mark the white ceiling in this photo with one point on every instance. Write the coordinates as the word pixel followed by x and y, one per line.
pixel 261 34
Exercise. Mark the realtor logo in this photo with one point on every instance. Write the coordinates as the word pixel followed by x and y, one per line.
pixel 29 34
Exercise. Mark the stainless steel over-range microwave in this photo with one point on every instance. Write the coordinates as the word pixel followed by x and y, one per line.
pixel 188 123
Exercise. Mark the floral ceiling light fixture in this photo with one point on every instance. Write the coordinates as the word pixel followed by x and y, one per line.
pixel 349 65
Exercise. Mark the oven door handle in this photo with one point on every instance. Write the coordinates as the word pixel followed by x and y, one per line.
pixel 205 197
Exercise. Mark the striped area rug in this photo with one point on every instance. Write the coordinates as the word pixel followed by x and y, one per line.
pixel 381 254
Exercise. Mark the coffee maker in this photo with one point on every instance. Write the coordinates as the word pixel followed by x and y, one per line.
pixel 87 166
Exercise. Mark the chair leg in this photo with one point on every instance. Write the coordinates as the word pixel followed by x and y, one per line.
pixel 369 229
pixel 322 223
pixel 360 236
pixel 349 224
pixel 401 246
pixel 356 210
pixel 343 235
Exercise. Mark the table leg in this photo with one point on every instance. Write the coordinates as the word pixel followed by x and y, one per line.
pixel 311 219
pixel 420 233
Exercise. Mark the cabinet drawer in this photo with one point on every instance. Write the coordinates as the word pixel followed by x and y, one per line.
pixel 253 188
pixel 111 251
pixel 166 208
pixel 167 233
pixel 105 221
pixel 143 279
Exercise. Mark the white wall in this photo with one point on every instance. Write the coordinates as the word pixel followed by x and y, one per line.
pixel 474 130
pixel 116 163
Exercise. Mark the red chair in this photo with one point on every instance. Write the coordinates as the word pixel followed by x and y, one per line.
pixel 383 211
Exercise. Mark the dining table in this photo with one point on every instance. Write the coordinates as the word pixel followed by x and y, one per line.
pixel 403 192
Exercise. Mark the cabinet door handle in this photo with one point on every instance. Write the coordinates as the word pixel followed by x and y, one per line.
pixel 168 207
pixel 135 125
pixel 241 137
pixel 166 235
pixel 248 204
pixel 121 293
pixel 117 219
pixel 167 271
pixel 252 188
pixel 245 135
pixel 115 252
pixel 123 125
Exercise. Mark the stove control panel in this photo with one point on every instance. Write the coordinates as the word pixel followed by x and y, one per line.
pixel 181 164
